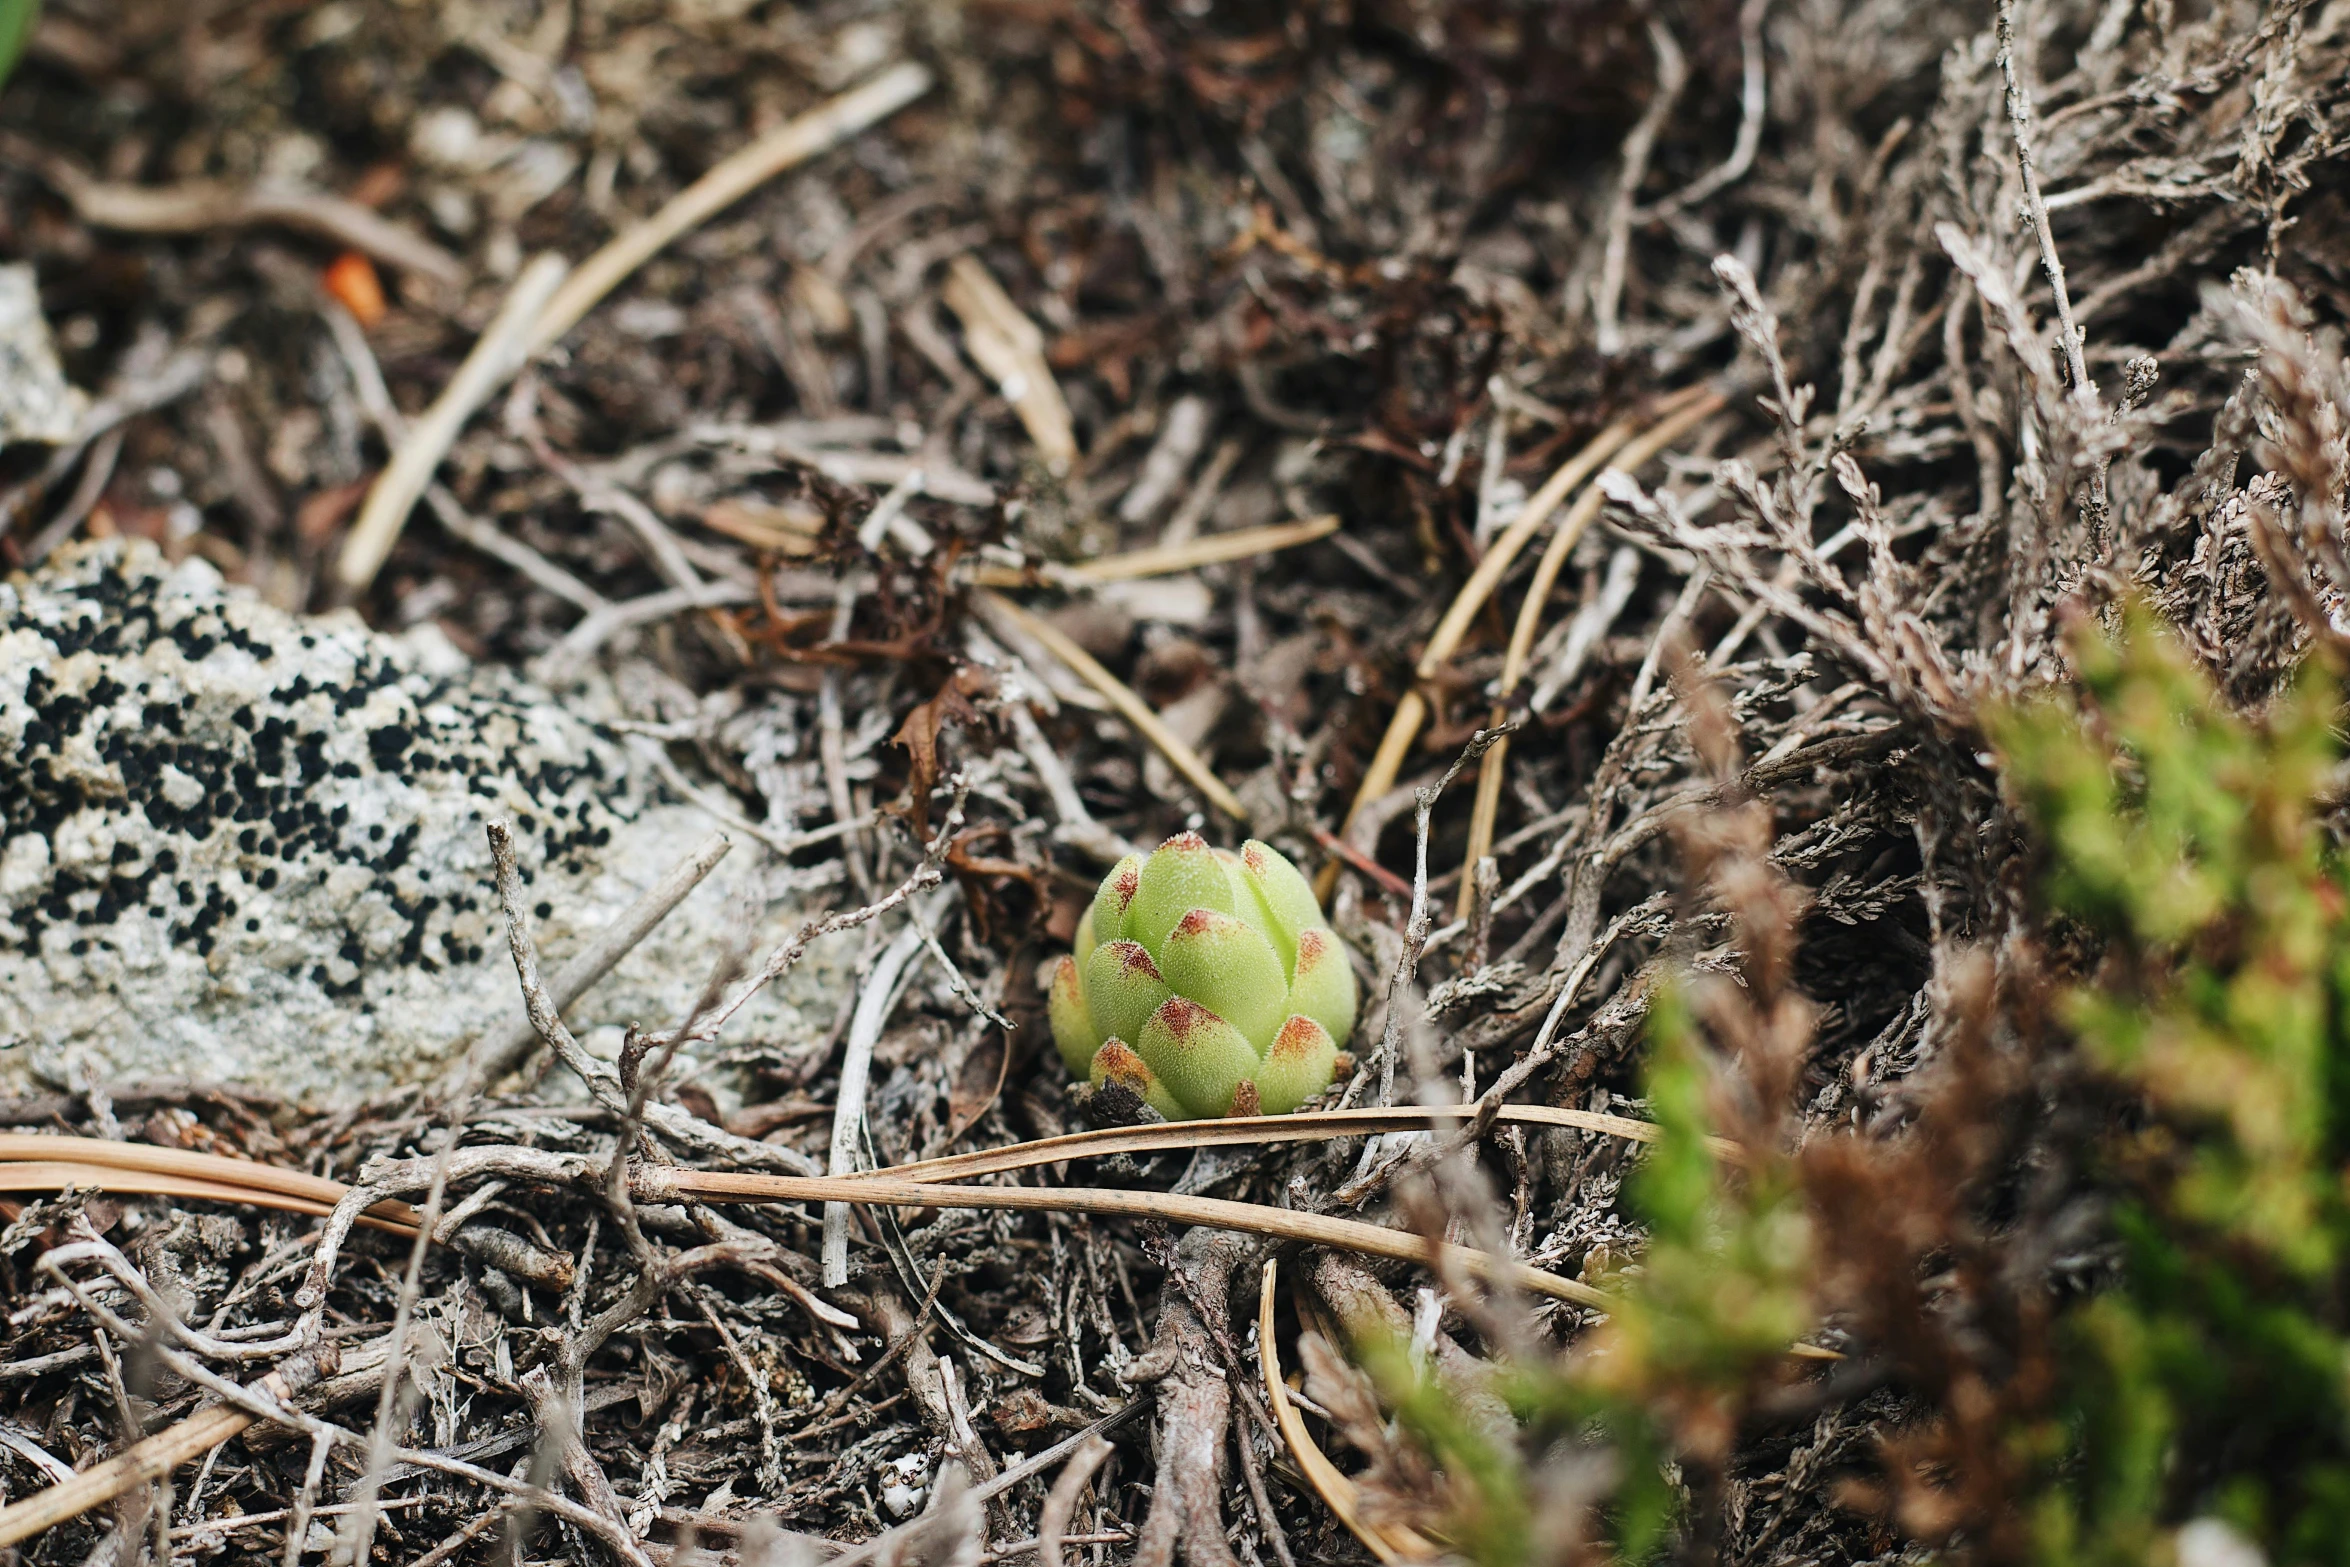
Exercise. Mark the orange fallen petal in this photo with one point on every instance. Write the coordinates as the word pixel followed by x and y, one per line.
pixel 351 278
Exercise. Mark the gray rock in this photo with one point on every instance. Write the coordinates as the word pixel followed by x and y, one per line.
pixel 36 404
pixel 246 846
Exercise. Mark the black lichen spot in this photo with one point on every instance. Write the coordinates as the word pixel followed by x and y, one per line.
pixel 386 744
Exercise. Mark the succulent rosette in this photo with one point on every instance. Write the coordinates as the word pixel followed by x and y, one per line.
pixel 1206 982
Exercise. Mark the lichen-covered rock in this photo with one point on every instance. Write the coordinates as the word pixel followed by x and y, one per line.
pixel 36 403
pixel 246 846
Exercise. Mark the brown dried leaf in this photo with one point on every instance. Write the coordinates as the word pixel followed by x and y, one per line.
pixel 918 737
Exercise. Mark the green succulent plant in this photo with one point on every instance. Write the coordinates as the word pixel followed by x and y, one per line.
pixel 1206 982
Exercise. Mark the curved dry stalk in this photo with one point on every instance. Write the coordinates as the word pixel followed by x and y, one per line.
pixel 33 1163
pixel 241 1180
pixel 792 143
pixel 1303 1126
pixel 56 1175
pixel 848 1116
pixel 496 355
pixel 1391 1545
pixel 21 1151
pixel 210 206
pixel 1160 560
pixel 1121 696
pixel 668 1183
pixel 1635 454
pixel 1445 640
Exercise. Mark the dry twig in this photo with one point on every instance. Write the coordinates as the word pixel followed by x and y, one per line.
pixel 1134 709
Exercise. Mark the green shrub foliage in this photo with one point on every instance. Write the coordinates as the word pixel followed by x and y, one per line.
pixel 2196 1369
pixel 16 28
pixel 2190 844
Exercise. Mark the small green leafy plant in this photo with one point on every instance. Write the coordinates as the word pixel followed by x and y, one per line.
pixel 16 29
pixel 2199 894
pixel 2192 844
pixel 1205 983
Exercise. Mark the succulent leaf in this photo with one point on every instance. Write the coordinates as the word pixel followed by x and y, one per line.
pixel 1110 903
pixel 1072 1020
pixel 1116 1063
pixel 1200 1057
pixel 1251 908
pixel 1288 898
pixel 1207 982
pixel 1122 987
pixel 1324 986
pixel 1299 1066
pixel 1182 874
pixel 1230 969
